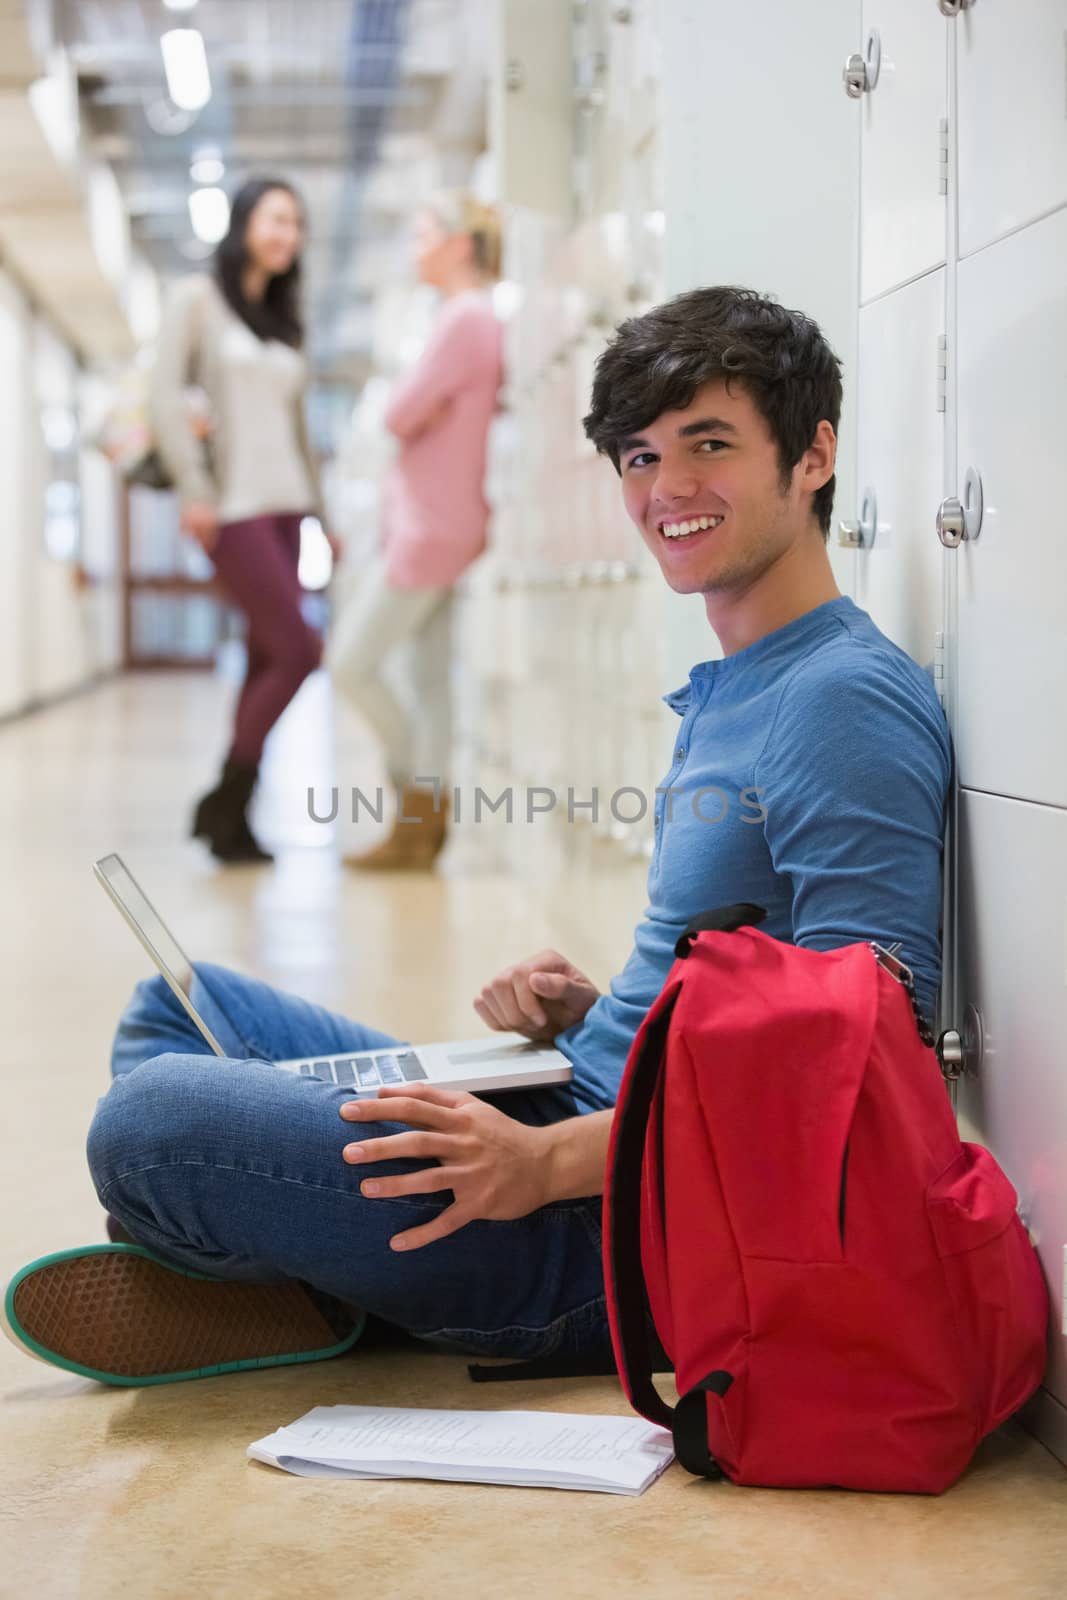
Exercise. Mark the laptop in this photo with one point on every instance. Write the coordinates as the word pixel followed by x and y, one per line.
pixel 497 1061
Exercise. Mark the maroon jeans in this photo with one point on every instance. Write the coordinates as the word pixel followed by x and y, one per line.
pixel 257 561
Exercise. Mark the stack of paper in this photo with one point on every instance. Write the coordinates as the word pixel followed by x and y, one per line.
pixel 542 1449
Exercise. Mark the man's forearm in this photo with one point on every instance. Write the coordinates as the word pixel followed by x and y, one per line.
pixel 577 1156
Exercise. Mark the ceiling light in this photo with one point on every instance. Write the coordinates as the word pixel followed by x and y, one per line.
pixel 179 5
pixel 185 63
pixel 207 169
pixel 209 213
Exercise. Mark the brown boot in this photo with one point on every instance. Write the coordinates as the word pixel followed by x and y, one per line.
pixel 415 843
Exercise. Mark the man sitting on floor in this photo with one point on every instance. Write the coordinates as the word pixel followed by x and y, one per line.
pixel 475 1222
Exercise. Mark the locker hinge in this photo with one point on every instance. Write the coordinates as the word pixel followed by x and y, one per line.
pixel 939 665
pixel 942 371
pixel 942 156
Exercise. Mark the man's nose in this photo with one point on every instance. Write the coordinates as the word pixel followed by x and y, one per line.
pixel 673 485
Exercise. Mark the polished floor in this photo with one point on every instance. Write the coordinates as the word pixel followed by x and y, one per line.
pixel 148 1493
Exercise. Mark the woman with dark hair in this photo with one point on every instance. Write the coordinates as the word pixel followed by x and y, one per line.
pixel 237 334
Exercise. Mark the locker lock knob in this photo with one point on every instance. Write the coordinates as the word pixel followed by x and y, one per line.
pixel 962 519
pixel 951 529
pixel 950 1055
pixel 861 71
pixel 952 8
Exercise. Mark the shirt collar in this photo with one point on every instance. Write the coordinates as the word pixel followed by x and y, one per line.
pixel 809 626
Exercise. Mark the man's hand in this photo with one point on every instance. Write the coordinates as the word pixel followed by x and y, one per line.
pixel 200 520
pixel 538 997
pixel 494 1166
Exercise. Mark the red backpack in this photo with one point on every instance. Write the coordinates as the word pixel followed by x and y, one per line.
pixel 845 1290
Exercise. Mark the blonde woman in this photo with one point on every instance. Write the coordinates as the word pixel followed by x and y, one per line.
pixel 434 523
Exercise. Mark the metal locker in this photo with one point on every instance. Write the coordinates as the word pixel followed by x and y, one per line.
pixel 531 104
pixel 1013 1017
pixel 899 471
pixel 905 109
pixel 1012 580
pixel 1012 97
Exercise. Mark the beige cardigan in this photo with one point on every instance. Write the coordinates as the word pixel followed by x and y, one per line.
pixel 190 338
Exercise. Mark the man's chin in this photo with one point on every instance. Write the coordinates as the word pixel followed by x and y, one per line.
pixel 691 582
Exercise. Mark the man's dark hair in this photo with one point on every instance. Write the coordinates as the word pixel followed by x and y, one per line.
pixel 657 362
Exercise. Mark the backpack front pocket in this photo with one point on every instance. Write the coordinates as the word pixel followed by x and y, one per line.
pixel 994 1282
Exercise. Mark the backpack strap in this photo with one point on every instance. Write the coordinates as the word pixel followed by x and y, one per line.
pixel 623 1215
pixel 688 1420
pixel 724 919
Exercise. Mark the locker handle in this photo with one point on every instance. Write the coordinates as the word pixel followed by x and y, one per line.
pixel 861 71
pixel 860 535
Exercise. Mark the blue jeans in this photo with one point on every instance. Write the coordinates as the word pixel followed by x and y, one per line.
pixel 233 1168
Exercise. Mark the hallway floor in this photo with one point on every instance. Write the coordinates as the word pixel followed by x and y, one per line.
pixel 148 1493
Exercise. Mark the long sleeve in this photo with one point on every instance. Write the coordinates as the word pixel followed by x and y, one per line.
pixel 303 439
pixel 182 451
pixel 455 355
pixel 853 782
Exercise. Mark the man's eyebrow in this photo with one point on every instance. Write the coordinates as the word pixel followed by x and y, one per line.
pixel 691 429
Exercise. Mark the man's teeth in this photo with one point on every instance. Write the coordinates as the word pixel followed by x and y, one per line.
pixel 680 530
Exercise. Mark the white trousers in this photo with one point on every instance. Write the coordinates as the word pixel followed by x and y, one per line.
pixel 416 737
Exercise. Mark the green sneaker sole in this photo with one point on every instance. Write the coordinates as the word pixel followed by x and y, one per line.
pixel 116 1313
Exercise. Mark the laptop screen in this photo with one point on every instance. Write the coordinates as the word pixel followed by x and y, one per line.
pixel 144 919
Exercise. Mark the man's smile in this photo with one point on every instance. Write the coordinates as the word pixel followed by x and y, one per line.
pixel 690 527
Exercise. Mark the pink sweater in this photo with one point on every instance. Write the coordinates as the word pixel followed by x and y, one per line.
pixel 434 510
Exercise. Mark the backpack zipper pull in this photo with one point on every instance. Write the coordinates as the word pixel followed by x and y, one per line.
pixel 891 962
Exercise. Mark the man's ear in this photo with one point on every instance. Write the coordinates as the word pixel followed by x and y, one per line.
pixel 820 458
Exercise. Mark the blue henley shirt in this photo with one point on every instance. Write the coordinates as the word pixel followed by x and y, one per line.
pixel 810 776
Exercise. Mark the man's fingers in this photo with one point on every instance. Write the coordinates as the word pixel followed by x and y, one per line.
pixel 526 1000
pixel 425 1091
pixel 402 1106
pixel 398 1147
pixel 449 1221
pixel 491 1004
pixel 559 990
pixel 428 1180
pixel 488 1018
pixel 553 985
pixel 501 993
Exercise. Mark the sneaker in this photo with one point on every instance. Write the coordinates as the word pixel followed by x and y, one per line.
pixel 116 1313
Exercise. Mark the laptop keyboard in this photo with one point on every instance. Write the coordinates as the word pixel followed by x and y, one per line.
pixel 367 1072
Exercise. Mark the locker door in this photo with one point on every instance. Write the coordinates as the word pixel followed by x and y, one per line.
pixel 902 209
pixel 531 104
pixel 900 445
pixel 1013 972
pixel 1012 606
pixel 1012 66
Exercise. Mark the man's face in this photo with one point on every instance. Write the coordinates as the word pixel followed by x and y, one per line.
pixel 716 464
